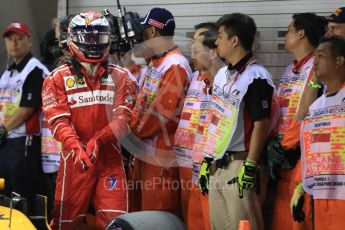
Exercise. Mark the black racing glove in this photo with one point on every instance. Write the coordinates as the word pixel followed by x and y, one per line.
pixel 279 158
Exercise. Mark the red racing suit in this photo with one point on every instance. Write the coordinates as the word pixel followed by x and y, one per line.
pixel 76 108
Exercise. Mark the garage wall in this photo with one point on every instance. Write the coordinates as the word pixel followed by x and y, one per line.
pixel 271 17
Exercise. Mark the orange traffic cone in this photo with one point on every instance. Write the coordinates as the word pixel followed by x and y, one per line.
pixel 244 225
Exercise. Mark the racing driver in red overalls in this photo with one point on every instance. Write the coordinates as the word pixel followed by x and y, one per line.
pixel 87 107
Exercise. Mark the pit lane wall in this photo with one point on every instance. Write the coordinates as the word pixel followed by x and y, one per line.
pixel 272 18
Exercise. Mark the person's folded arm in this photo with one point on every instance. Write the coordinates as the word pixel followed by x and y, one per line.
pixel 18 118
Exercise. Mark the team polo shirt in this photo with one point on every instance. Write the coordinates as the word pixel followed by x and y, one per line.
pixel 31 93
pixel 31 96
pixel 256 105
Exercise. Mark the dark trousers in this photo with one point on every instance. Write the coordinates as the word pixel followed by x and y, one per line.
pixel 21 167
pixel 49 184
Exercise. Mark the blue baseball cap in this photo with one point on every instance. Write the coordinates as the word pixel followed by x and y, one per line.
pixel 160 18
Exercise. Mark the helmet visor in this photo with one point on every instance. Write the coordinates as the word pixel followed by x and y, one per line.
pixel 91 37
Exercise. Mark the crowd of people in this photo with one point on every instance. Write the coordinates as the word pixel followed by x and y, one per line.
pixel 206 139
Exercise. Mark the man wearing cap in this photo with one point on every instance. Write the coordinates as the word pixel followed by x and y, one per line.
pixel 20 88
pixel 336 23
pixel 157 111
pixel 336 26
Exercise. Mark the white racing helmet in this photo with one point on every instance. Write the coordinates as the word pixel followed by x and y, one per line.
pixel 89 37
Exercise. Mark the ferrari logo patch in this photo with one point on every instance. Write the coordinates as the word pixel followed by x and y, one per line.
pixel 81 81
